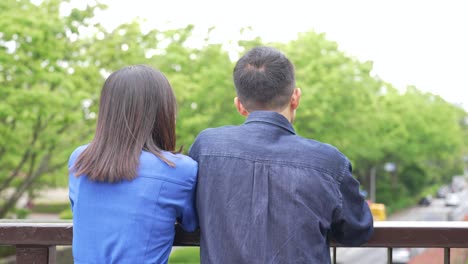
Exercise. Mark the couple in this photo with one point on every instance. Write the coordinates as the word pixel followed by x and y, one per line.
pixel 258 192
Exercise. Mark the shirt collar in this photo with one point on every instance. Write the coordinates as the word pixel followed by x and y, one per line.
pixel 270 117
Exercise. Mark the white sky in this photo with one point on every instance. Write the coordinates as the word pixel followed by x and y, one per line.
pixel 411 42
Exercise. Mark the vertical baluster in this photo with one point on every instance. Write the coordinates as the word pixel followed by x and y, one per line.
pixel 35 254
pixel 446 255
pixel 334 255
pixel 389 255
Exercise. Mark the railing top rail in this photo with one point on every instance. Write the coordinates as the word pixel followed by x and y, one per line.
pixel 421 224
pixel 23 232
pixel 421 234
pixel 377 224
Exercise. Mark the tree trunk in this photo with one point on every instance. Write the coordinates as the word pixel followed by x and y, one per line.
pixel 43 167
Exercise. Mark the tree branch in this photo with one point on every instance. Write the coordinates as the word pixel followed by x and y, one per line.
pixel 2 151
pixel 26 154
pixel 13 125
pixel 5 207
pixel 57 166
pixel 15 172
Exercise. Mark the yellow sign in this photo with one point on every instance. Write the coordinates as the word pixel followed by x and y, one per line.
pixel 378 211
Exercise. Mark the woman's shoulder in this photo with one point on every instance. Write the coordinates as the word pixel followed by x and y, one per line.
pixel 180 160
pixel 76 153
pixel 183 160
pixel 185 168
pixel 185 165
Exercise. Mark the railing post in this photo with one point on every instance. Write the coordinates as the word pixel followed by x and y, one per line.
pixel 389 255
pixel 446 255
pixel 35 254
pixel 334 255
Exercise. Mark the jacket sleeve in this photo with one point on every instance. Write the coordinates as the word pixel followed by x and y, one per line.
pixel 189 218
pixel 352 223
pixel 72 179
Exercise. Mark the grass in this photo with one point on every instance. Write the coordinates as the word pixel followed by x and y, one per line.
pixel 6 251
pixel 50 208
pixel 66 214
pixel 185 255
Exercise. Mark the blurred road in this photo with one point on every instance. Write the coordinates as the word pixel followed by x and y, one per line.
pixel 49 196
pixel 436 211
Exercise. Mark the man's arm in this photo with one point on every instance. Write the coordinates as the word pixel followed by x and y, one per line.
pixel 352 222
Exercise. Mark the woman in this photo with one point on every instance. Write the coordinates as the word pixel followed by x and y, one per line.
pixel 128 187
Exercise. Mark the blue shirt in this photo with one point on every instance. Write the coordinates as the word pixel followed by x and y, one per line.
pixel 267 195
pixel 132 221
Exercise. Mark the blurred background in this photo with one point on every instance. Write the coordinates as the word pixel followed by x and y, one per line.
pixel 383 81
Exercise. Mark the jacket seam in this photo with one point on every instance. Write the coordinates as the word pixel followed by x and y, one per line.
pixel 290 130
pixel 294 164
pixel 343 171
pixel 185 184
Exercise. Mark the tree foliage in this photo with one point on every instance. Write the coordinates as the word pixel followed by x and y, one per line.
pixel 42 86
pixel 52 68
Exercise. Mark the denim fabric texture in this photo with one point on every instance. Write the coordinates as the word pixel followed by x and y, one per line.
pixel 267 195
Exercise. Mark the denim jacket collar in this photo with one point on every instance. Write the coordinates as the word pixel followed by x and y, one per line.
pixel 270 117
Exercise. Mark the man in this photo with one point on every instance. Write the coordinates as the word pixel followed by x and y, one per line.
pixel 265 194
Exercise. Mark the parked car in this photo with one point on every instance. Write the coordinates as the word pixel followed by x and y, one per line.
pixel 401 255
pixel 442 191
pixel 458 183
pixel 425 201
pixel 452 199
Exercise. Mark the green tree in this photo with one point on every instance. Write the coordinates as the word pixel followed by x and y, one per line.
pixel 42 88
pixel 52 68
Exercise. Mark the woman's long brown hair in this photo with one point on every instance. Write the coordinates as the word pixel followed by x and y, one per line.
pixel 137 111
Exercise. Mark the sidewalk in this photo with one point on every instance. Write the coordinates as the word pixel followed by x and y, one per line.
pixel 52 195
pixel 49 196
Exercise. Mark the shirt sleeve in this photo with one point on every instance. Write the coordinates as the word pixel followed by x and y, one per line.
pixel 352 223
pixel 71 180
pixel 72 202
pixel 189 218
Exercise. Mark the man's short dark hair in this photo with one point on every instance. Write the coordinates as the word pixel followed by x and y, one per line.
pixel 264 79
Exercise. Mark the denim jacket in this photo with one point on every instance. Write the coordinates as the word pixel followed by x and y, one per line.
pixel 267 195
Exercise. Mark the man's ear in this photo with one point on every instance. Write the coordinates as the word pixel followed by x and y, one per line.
pixel 295 98
pixel 240 108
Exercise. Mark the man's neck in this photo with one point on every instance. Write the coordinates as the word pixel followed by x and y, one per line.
pixel 286 112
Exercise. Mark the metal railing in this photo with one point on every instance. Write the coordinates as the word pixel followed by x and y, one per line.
pixel 35 242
